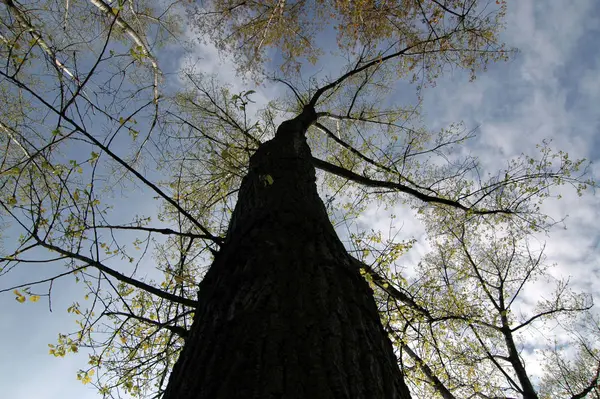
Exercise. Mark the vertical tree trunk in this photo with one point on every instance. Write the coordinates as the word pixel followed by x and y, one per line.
pixel 283 311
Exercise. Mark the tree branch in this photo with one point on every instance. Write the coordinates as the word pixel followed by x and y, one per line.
pixel 182 332
pixel 345 173
pixel 137 39
pixel 165 231
pixel 357 70
pixel 549 312
pixel 364 157
pixel 392 291
pixel 39 40
pixel 118 159
pixel 119 276
pixel 433 379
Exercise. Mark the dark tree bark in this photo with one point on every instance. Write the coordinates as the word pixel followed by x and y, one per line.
pixel 283 311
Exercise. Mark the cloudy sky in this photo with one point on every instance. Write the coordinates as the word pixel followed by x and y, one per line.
pixel 550 90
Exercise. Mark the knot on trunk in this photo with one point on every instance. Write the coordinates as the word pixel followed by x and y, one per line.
pixel 299 124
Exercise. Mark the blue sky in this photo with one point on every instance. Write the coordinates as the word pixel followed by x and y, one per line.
pixel 549 90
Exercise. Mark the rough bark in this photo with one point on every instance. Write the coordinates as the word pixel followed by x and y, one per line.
pixel 283 311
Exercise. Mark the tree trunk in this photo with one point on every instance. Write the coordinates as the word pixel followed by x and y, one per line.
pixel 284 311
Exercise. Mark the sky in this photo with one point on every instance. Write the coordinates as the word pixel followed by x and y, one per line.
pixel 549 90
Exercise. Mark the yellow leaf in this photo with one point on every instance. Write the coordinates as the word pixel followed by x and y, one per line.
pixel 34 298
pixel 267 180
pixel 19 297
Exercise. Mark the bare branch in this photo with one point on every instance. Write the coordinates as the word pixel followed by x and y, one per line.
pixel 119 276
pixel 339 171
pixel 315 98
pixel 137 39
pixel 182 332
pixel 165 231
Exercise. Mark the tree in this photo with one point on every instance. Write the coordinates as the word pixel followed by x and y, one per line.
pixel 283 308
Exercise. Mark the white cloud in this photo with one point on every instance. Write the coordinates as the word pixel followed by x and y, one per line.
pixel 589 83
pixel 547 33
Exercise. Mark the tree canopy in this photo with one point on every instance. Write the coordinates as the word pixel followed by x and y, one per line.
pixel 96 122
